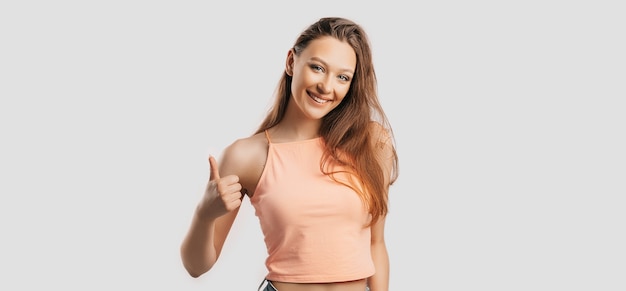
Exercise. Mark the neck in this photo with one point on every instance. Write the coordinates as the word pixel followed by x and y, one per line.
pixel 294 131
pixel 296 126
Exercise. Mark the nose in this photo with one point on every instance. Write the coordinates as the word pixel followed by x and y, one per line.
pixel 324 85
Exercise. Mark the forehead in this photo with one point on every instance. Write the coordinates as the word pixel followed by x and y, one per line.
pixel 332 51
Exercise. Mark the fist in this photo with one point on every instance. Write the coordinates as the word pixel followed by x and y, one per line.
pixel 223 194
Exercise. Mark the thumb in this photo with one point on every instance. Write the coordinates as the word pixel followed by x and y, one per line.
pixel 214 171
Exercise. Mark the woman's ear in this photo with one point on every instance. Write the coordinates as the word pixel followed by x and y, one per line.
pixel 289 63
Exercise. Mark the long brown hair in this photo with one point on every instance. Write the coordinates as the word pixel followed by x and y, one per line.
pixel 347 130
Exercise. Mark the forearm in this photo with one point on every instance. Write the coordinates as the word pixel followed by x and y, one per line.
pixel 198 251
pixel 380 280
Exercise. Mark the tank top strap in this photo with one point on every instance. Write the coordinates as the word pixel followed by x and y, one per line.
pixel 267 135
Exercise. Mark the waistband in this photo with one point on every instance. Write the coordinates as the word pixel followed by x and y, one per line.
pixel 266 285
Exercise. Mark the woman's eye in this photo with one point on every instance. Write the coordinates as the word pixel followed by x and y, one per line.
pixel 344 78
pixel 317 68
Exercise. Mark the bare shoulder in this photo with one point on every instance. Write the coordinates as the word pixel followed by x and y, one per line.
pixel 245 158
pixel 244 150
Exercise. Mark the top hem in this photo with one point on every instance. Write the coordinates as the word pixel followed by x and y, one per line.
pixel 317 279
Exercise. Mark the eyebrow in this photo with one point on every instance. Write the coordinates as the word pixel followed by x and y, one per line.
pixel 351 71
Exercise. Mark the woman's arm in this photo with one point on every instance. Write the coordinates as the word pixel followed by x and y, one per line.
pixel 211 222
pixel 380 280
pixel 386 155
pixel 241 165
pixel 204 241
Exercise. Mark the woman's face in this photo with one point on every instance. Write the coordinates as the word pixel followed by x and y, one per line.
pixel 322 74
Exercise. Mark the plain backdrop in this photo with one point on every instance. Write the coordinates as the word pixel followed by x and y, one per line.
pixel 508 115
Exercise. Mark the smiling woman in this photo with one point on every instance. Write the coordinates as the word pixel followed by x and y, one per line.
pixel 317 171
pixel 321 73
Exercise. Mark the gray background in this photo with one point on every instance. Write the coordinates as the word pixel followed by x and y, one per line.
pixel 509 120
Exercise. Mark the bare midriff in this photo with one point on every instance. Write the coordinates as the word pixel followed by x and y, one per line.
pixel 358 285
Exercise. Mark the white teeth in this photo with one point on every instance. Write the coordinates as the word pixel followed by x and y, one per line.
pixel 319 100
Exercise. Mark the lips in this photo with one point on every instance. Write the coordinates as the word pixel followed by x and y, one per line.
pixel 318 99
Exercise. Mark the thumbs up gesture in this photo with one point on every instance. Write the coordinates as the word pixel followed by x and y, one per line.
pixel 222 194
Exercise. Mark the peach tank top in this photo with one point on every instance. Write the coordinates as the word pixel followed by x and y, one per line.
pixel 314 228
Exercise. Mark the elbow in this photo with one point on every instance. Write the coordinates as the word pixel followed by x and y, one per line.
pixel 195 267
pixel 197 260
pixel 196 272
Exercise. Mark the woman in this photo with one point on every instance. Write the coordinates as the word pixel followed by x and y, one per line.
pixel 317 172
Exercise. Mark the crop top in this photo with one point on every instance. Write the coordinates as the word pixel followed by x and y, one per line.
pixel 315 229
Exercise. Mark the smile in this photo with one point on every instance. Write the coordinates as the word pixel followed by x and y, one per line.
pixel 318 100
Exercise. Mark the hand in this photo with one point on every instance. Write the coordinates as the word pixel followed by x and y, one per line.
pixel 222 195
